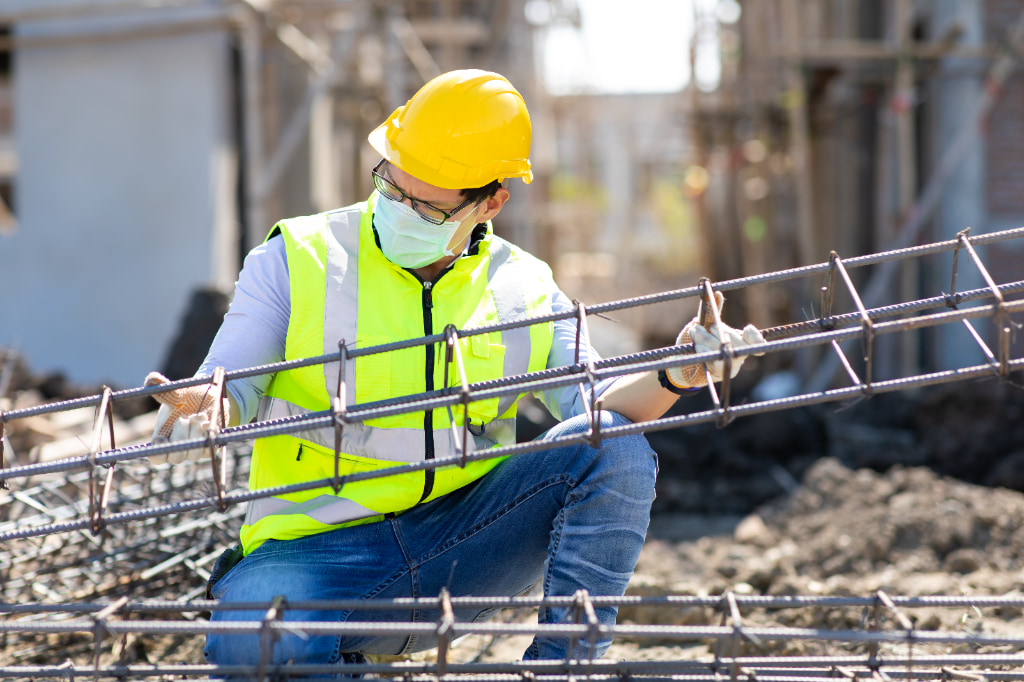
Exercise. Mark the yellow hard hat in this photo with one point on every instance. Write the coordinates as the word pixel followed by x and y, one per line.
pixel 463 129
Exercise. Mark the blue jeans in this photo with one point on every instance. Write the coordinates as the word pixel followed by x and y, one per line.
pixel 574 517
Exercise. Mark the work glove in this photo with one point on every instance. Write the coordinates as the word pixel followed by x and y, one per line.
pixel 705 340
pixel 184 414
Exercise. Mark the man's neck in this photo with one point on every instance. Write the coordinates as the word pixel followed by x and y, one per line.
pixel 428 273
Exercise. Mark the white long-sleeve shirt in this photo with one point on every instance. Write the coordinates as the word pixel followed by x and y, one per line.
pixel 255 327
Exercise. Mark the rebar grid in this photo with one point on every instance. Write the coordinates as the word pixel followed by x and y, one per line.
pixel 111 497
pixel 85 564
pixel 886 641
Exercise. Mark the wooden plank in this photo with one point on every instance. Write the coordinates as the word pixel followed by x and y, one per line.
pixel 796 108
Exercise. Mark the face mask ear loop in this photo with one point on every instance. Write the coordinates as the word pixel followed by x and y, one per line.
pixel 467 238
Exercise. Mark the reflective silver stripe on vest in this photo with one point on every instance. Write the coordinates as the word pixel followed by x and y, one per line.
pixel 510 303
pixel 323 508
pixel 391 445
pixel 342 295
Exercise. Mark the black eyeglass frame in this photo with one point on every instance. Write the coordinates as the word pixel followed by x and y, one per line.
pixel 393 192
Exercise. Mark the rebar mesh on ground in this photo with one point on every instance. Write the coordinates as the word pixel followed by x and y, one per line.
pixel 850 637
pixel 98 521
pixel 153 557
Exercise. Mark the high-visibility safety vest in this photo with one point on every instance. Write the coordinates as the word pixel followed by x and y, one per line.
pixel 343 288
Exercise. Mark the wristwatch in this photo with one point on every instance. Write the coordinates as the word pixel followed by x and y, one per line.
pixel 666 383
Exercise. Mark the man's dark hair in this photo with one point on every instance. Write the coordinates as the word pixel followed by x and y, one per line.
pixel 478 194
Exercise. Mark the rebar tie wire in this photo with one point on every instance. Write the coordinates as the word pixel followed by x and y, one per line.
pixel 340 415
pixel 591 403
pixel 98 499
pixel 453 355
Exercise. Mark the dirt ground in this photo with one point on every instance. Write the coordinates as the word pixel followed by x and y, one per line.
pixel 840 533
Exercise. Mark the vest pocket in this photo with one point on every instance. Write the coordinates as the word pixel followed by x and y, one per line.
pixel 483 361
pixel 384 494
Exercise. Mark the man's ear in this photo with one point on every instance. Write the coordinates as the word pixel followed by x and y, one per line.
pixel 492 205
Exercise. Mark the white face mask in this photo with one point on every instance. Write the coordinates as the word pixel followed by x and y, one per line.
pixel 407 239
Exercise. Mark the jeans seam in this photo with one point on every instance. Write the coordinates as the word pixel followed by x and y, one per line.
pixel 369 594
pixel 408 569
pixel 557 532
pixel 414 581
pixel 476 528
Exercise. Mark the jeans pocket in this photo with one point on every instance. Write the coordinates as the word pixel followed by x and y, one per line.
pixel 225 562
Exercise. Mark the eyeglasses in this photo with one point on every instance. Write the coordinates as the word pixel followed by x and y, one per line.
pixel 429 212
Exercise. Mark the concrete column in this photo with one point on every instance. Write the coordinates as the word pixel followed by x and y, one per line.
pixel 955 92
pixel 125 189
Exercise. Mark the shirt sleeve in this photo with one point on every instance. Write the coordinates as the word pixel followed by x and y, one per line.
pixel 256 325
pixel 567 401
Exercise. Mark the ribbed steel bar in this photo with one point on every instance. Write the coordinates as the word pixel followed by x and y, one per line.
pixel 674 633
pixel 681 671
pixel 993 666
pixel 765 602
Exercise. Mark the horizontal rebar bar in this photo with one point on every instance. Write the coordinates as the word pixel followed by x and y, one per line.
pixel 675 633
pixel 767 602
pixel 933 667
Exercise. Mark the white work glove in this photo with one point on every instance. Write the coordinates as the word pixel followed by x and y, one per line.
pixel 706 340
pixel 184 414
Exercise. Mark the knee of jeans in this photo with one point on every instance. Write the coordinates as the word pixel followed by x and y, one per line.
pixel 247 649
pixel 610 418
pixel 634 443
pixel 630 454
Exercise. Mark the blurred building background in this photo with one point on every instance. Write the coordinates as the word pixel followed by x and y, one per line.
pixel 145 146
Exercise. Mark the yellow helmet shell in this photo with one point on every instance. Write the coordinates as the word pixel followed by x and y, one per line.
pixel 463 129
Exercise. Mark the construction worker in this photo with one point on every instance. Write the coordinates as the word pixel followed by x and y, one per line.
pixel 418 255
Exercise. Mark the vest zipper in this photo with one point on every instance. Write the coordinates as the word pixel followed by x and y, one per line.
pixel 428 415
